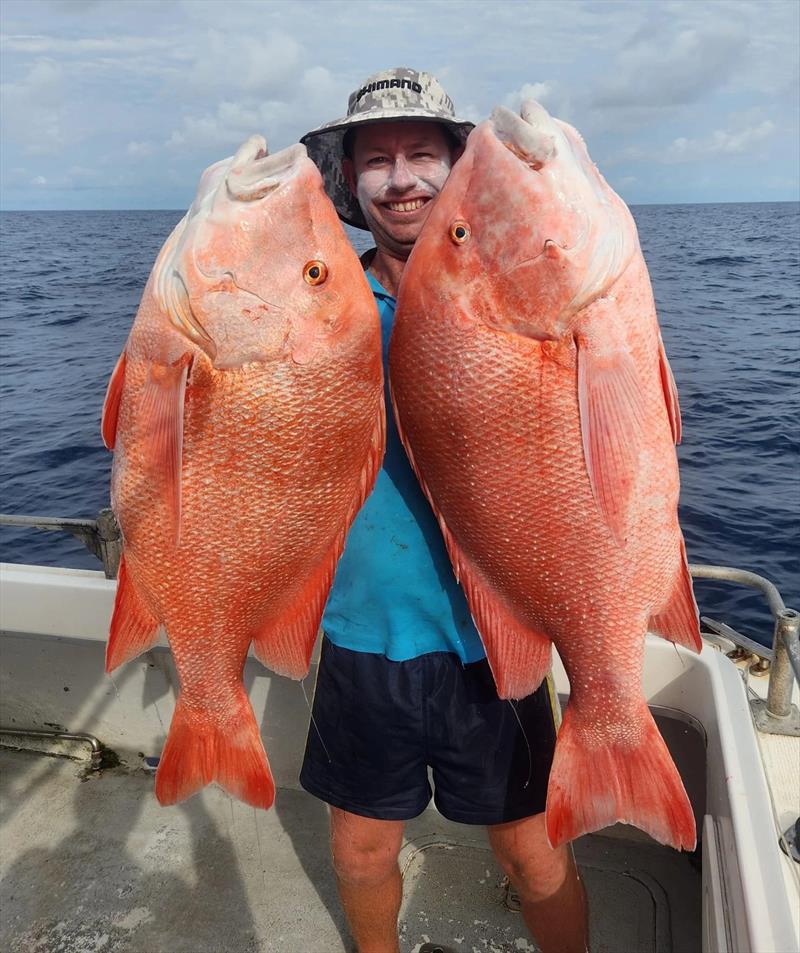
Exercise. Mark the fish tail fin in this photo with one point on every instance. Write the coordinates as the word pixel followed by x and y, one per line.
pixel 133 628
pixel 200 750
pixel 635 782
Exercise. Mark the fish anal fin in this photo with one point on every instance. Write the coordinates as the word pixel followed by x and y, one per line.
pixel 610 405
pixel 200 750
pixel 670 392
pixel 679 620
pixel 284 643
pixel 111 404
pixel 519 656
pixel 133 628
pixel 161 414
pixel 634 782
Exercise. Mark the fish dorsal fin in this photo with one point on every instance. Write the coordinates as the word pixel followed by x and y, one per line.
pixel 670 392
pixel 110 418
pixel 161 416
pixel 610 406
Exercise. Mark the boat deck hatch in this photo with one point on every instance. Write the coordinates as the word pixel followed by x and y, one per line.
pixel 642 899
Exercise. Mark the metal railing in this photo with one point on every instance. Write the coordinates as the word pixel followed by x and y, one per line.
pixel 100 536
pixel 777 715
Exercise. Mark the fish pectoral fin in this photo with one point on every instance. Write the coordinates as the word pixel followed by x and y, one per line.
pixel 679 620
pixel 161 418
pixel 113 398
pixel 134 629
pixel 670 392
pixel 610 406
pixel 200 750
pixel 595 784
pixel 284 643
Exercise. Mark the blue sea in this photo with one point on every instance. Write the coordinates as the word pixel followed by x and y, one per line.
pixel 727 286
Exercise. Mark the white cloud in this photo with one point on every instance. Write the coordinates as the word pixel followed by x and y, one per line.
pixel 263 64
pixel 32 110
pixel 312 93
pixel 140 149
pixel 657 70
pixel 76 46
pixel 684 149
pixel 107 86
pixel 549 93
pixel 719 143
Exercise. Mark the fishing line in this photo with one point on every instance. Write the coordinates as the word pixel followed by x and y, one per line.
pixel 260 854
pixel 314 722
pixel 527 743
pixel 674 645
pixel 116 690
pixel 157 664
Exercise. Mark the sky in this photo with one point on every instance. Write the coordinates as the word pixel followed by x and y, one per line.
pixel 122 104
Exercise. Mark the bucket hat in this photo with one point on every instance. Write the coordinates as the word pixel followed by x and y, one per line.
pixel 395 94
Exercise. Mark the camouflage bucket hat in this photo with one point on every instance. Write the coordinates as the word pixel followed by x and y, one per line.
pixel 391 94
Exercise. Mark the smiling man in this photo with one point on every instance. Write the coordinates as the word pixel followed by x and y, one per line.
pixel 403 684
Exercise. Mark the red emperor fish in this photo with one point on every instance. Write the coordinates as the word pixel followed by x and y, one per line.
pixel 247 423
pixel 535 400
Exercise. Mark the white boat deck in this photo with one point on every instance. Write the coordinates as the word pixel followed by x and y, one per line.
pixel 90 861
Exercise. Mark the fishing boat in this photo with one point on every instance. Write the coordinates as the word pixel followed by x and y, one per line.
pixel 91 862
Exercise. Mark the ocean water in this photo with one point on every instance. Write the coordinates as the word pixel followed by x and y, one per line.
pixel 727 285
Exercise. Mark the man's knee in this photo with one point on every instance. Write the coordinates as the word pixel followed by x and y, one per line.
pixel 536 870
pixel 364 850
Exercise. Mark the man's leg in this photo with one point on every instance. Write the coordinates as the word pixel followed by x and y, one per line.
pixel 365 854
pixel 550 891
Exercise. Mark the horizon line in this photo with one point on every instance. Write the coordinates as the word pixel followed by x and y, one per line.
pixel 630 205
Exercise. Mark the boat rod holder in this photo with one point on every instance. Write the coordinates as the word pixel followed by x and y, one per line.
pixel 58 735
pixel 101 536
pixel 777 715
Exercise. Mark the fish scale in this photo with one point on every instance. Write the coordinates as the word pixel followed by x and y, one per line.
pixel 534 399
pixel 247 421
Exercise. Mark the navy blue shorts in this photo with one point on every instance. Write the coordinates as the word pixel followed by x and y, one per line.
pixel 379 724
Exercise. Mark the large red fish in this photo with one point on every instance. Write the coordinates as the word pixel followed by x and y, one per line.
pixel 246 417
pixel 535 400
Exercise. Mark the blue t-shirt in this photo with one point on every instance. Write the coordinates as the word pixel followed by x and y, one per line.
pixel 395 593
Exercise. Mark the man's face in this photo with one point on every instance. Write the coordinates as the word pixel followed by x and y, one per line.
pixel 397 170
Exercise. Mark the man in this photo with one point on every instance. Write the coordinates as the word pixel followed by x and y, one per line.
pixel 403 680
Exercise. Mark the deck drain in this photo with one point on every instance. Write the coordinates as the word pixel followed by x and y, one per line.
pixel 510 896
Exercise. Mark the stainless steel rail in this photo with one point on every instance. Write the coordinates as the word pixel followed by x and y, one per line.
pixel 101 536
pixel 778 715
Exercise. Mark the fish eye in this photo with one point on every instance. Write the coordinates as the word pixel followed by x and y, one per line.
pixel 460 232
pixel 315 272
